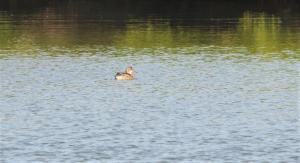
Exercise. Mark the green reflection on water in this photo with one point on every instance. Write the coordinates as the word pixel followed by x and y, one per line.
pixel 5 33
pixel 263 33
pixel 146 35
pixel 257 32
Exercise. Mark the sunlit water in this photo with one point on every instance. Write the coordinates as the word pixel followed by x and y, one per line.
pixel 179 108
pixel 221 90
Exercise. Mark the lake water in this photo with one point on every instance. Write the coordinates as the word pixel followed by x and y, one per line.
pixel 208 87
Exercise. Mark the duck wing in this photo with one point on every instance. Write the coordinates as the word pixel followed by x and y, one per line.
pixel 119 73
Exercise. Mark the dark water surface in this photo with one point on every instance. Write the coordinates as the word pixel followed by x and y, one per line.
pixel 216 81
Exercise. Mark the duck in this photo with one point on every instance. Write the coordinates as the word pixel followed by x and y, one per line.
pixel 127 75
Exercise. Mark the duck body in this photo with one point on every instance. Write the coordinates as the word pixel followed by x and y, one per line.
pixel 127 75
pixel 123 76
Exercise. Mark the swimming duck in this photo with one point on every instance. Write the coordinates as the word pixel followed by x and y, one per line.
pixel 127 75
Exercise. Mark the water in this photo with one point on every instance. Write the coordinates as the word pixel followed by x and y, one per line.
pixel 206 89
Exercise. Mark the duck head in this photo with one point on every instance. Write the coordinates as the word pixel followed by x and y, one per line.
pixel 129 70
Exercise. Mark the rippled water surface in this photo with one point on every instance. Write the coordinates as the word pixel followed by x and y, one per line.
pixel 205 90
